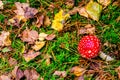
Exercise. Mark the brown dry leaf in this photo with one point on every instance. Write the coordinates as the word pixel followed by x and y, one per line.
pixel 4 39
pixel 118 71
pixel 23 13
pixel 82 31
pixel 29 36
pixel 104 2
pixel 42 36
pixel 78 71
pixel 50 37
pixel 90 29
pixel 1 4
pixel 38 45
pixel 47 21
pixel 74 11
pixel 17 73
pixel 40 21
pixel 30 55
pixel 60 73
pixel 12 61
pixel 31 74
pixel 79 78
pixel 94 10
pixel 82 11
pixel 4 77
pixel 69 3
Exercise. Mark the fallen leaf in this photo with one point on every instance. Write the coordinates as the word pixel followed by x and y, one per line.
pixel 31 74
pixel 4 77
pixel 90 29
pixel 40 21
pixel 12 61
pixel 59 19
pixel 29 36
pixel 79 78
pixel 60 73
pixel 17 73
pixel 118 71
pixel 73 11
pixel 94 10
pixel 6 49
pixel 1 5
pixel 38 45
pixel 50 37
pixel 82 11
pixel 30 55
pixel 4 39
pixel 82 31
pixel 47 21
pixel 104 2
pixel 78 71
pixel 23 13
pixel 42 36
pixel 69 3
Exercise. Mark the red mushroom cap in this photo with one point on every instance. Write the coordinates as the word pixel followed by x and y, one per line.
pixel 89 46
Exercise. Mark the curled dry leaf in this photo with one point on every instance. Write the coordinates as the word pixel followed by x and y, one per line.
pixel 104 2
pixel 12 61
pixel 30 55
pixel 59 19
pixel 23 13
pixel 4 39
pixel 1 4
pixel 69 3
pixel 4 77
pixel 50 37
pixel 60 73
pixel 82 11
pixel 39 21
pixel 78 71
pixel 31 74
pixel 82 31
pixel 73 11
pixel 29 36
pixel 79 78
pixel 88 29
pixel 38 45
pixel 42 36
pixel 17 73
pixel 47 21
pixel 118 71
pixel 94 10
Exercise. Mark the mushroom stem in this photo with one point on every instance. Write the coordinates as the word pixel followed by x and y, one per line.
pixel 105 57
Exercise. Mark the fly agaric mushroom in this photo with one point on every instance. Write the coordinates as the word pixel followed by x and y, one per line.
pixel 89 47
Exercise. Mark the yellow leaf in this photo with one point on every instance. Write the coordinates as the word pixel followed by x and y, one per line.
pixel 57 25
pixel 59 19
pixel 94 10
pixel 38 45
